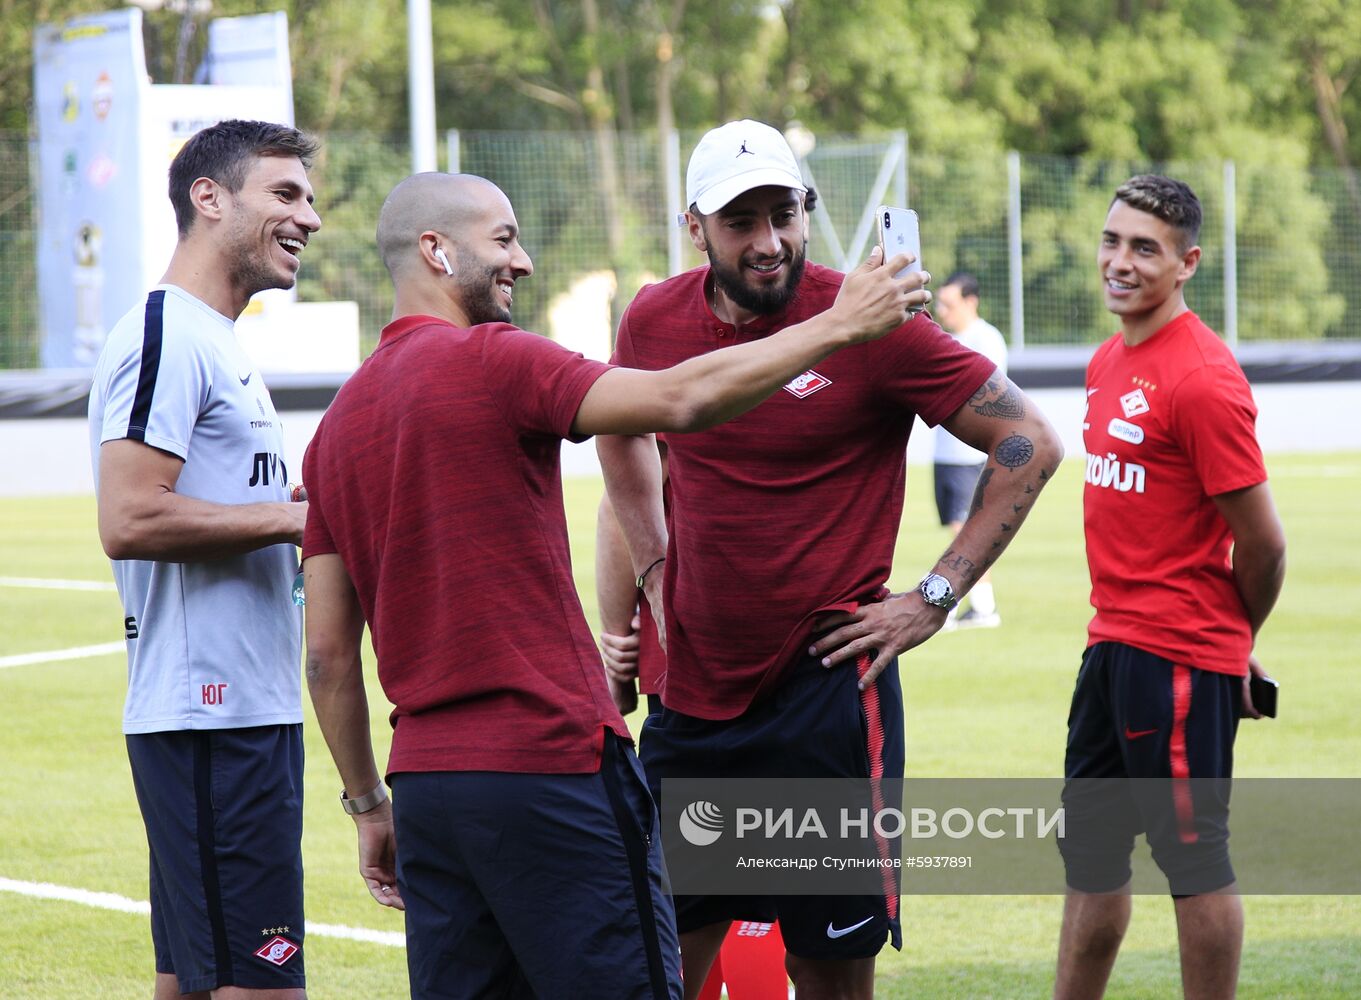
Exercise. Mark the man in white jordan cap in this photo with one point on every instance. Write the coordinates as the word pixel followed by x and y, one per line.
pixel 766 567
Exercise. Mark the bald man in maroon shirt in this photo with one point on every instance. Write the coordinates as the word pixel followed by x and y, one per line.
pixel 435 506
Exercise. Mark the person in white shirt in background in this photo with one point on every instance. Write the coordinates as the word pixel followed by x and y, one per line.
pixel 957 466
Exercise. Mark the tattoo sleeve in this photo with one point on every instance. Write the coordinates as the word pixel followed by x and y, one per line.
pixel 1014 451
pixel 979 490
pixel 997 397
pixel 1023 456
pixel 960 564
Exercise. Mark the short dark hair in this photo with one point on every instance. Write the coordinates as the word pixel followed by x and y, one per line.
pixel 965 281
pixel 223 152
pixel 1168 199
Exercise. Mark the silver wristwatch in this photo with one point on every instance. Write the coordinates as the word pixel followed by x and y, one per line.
pixel 364 803
pixel 935 589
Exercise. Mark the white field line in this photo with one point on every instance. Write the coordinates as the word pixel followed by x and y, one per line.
pixel 45 584
pixel 110 901
pixel 75 653
pixel 393 939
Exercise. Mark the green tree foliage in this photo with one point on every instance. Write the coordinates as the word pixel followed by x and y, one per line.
pixel 1165 80
pixel 1123 86
pixel 17 20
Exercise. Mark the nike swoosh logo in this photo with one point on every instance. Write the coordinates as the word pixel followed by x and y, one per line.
pixel 1134 734
pixel 1093 392
pixel 246 380
pixel 834 933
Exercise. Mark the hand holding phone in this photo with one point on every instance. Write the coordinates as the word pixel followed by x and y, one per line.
pixel 899 232
pixel 1263 691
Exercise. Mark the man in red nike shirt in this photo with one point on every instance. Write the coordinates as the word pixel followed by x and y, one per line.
pixel 1187 557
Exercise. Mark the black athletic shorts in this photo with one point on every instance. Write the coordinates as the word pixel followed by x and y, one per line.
pixel 1150 750
pixel 535 885
pixel 223 814
pixel 817 724
pixel 955 485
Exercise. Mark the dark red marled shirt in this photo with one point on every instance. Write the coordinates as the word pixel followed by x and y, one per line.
pixel 794 507
pixel 435 476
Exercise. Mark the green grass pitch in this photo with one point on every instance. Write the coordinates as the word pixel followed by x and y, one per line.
pixel 984 703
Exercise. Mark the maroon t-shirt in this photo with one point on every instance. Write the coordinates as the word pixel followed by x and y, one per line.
pixel 651 656
pixel 793 508
pixel 434 475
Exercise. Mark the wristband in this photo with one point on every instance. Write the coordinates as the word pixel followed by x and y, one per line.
pixel 364 803
pixel 643 575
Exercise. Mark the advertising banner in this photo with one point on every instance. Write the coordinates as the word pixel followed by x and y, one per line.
pixel 106 137
pixel 89 83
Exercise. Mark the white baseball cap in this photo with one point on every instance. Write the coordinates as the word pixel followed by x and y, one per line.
pixel 734 158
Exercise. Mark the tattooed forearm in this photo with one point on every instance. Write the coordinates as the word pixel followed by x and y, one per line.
pixel 953 560
pixel 997 397
pixel 978 490
pixel 1022 458
pixel 1015 452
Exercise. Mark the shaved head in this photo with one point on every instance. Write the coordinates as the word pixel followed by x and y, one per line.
pixel 446 203
pixel 433 223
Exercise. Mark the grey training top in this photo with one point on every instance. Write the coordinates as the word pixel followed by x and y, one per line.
pixel 214 644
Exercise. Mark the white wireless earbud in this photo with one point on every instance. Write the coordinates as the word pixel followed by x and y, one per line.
pixel 444 259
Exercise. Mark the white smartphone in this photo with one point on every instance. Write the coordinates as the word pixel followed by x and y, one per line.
pixel 899 233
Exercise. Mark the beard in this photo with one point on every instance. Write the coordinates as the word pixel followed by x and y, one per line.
pixel 764 301
pixel 251 270
pixel 477 295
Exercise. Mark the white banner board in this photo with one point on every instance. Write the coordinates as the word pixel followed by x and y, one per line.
pixel 106 137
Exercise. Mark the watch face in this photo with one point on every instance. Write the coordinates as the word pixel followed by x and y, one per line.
pixel 937 589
